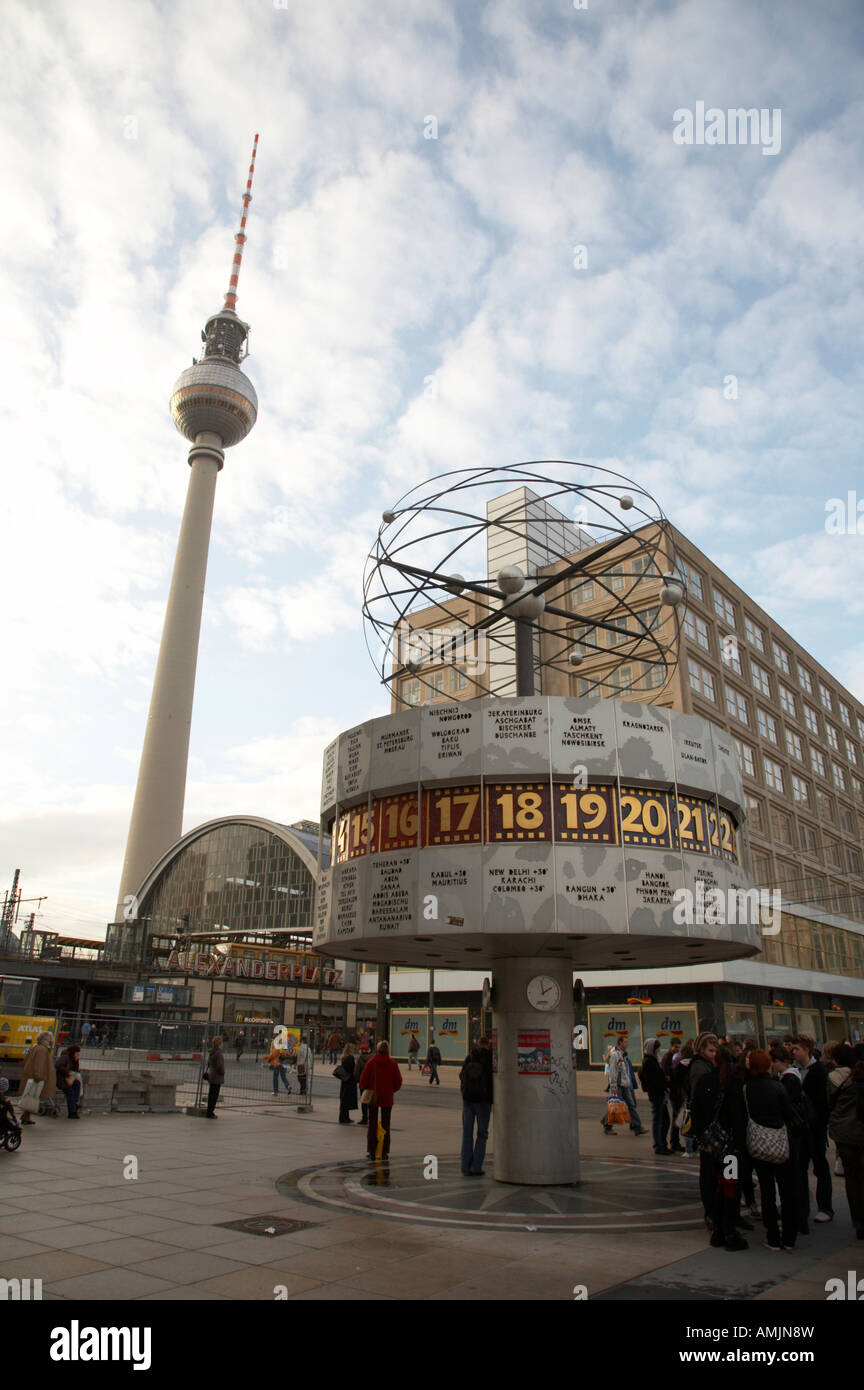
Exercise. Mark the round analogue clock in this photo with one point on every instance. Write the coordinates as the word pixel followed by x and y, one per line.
pixel 543 993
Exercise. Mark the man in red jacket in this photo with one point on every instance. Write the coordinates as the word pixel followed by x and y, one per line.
pixel 382 1076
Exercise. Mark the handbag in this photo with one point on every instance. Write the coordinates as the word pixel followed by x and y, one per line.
pixel 617 1112
pixel 368 1098
pixel 764 1144
pixel 341 1074
pixel 29 1097
pixel 716 1139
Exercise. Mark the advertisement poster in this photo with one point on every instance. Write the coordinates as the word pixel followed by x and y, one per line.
pixel 405 1024
pixel 671 1023
pixel 608 1023
pixel 289 1040
pixel 451 1034
pixel 533 1052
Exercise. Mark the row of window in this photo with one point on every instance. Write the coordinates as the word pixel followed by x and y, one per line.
pixel 755 636
pixel 783 829
pixel 702 682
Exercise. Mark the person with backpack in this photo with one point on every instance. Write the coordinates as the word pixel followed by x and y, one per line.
pixel 475 1079
pixel 814 1144
pixel 433 1062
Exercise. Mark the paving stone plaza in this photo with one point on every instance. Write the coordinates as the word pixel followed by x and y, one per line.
pixel 185 1228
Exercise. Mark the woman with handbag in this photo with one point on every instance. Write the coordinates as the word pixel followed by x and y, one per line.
pixel 346 1074
pixel 380 1080
pixel 38 1078
pixel 717 1125
pixel 769 1118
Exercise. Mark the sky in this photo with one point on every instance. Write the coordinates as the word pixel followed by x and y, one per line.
pixel 477 236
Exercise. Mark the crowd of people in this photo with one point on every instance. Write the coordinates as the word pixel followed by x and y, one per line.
pixel 44 1077
pixel 755 1117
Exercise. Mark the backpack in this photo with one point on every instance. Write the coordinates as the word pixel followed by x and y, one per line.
pixel 472 1081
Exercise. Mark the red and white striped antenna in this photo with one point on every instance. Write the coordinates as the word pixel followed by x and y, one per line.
pixel 240 238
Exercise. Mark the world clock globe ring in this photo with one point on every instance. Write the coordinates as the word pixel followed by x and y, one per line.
pixel 600 538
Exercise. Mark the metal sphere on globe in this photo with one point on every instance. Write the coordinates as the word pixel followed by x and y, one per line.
pixel 576 657
pixel 525 605
pixel 214 397
pixel 455 584
pixel 388 517
pixel 510 579
pixel 625 502
pixel 671 590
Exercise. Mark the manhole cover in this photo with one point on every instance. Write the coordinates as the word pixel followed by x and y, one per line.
pixel 266 1225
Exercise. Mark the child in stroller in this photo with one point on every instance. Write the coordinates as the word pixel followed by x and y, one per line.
pixel 10 1129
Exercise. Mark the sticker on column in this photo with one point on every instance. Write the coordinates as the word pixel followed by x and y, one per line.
pixel 495 1051
pixel 533 1052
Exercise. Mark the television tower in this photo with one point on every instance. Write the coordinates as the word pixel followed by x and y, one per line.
pixel 213 405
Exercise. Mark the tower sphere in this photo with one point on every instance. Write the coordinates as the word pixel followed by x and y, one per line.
pixel 214 396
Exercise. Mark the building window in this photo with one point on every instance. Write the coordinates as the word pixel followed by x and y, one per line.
pixel 724 610
pixel 799 790
pixel 781 659
pixel 860 723
pixel 833 853
pixel 584 687
pixel 697 630
pixel 745 757
pixel 701 680
pixel 411 692
pixel 847 820
pixel 851 752
pixel 621 678
pixel 857 787
pixel 793 746
pixel 817 762
pixel 729 654
pixel 766 724
pixel 781 826
pixel 787 700
pixel 811 719
pixel 643 564
pixel 845 714
pixel 825 695
pixel 436 684
pixel 853 860
pixel 736 706
pixel 831 735
pixel 807 836
pixel 805 680
pixel 754 813
pixel 458 678
pixel 648 619
pixel 825 806
pixel 618 633
pixel 773 774
pixel 618 580
pixel 653 676
pixel 582 593
pixel 760 678
pixel 839 777
pixel 692 579
pixel 754 635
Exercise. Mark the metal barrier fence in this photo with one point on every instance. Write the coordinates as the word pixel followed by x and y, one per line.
pixel 172 1052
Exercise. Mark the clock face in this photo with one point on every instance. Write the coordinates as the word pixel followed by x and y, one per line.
pixel 543 993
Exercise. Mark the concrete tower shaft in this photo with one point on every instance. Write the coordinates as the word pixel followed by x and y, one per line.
pixel 214 405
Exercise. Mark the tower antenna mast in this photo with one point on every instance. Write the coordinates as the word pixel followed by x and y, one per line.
pixel 240 238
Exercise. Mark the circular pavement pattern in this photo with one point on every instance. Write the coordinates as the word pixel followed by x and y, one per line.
pixel 615 1194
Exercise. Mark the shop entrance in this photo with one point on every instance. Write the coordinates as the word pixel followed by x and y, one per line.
pixel 835 1027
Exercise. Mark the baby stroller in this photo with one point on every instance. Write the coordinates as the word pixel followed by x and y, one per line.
pixel 10 1129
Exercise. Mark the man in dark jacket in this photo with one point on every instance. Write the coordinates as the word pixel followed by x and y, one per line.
pixel 476 1082
pixel 814 1144
pixel 653 1082
pixel 715 1097
pixel 433 1062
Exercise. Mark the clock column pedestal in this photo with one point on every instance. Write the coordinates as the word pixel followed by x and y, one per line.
pixel 536 1135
